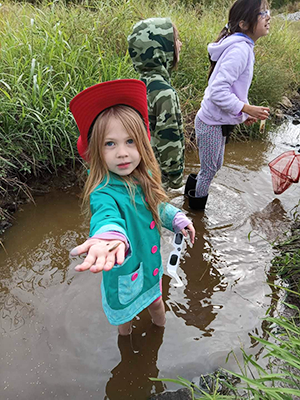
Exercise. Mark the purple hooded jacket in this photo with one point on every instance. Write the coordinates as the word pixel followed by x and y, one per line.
pixel 228 86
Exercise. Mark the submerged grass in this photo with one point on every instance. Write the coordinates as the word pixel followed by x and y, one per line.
pixel 52 51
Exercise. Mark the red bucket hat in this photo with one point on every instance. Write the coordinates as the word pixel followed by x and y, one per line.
pixel 89 103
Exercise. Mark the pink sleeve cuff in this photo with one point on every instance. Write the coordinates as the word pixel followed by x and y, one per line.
pixel 112 235
pixel 180 222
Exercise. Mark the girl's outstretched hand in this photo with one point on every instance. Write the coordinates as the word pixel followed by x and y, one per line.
pixel 191 231
pixel 257 112
pixel 101 254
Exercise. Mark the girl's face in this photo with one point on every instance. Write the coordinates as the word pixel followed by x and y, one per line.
pixel 263 25
pixel 120 152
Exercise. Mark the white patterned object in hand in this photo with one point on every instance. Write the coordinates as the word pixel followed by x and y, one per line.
pixel 174 258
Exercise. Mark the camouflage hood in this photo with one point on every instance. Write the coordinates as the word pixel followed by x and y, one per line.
pixel 151 46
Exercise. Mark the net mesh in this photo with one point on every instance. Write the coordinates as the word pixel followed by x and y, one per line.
pixel 285 170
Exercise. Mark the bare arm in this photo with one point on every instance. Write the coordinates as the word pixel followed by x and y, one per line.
pixel 257 112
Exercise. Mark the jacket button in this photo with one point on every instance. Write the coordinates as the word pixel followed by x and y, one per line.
pixel 155 272
pixel 134 276
pixel 152 225
pixel 154 249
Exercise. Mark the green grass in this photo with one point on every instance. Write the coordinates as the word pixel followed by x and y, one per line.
pixel 51 51
pixel 287 266
pixel 280 380
pixel 287 263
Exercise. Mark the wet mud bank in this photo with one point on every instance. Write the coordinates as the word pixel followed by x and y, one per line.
pixel 288 109
pixel 18 191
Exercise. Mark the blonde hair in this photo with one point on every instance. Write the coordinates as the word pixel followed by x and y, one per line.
pixel 147 172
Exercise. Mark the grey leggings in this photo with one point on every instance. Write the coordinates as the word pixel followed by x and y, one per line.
pixel 211 146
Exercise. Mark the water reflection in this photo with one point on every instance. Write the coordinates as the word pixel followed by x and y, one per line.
pixel 130 378
pixel 201 279
pixel 55 339
pixel 253 156
pixel 28 275
pixel 271 221
pixel 250 159
pixel 36 259
pixel 14 313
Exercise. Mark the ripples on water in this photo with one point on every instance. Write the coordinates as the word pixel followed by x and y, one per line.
pixel 55 340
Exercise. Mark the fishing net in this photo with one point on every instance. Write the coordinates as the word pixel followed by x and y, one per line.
pixel 285 170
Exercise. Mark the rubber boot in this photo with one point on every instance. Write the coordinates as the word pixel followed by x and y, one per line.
pixel 196 203
pixel 190 183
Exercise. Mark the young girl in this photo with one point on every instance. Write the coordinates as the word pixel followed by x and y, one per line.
pixel 225 101
pixel 128 205
pixel 154 47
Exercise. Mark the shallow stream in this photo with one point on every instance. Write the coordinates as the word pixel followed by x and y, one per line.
pixel 55 340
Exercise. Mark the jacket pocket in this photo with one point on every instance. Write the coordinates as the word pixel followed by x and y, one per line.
pixel 130 286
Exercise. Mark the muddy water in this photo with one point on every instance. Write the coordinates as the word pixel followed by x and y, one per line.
pixel 55 340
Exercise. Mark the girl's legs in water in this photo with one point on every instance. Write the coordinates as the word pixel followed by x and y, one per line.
pixel 211 145
pixel 125 329
pixel 158 315
pixel 158 312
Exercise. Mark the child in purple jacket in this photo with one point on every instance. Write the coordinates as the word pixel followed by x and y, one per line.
pixel 225 101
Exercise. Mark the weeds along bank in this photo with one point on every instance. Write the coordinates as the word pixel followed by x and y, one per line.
pixel 50 52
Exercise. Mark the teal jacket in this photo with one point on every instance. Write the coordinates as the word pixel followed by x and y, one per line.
pixel 129 288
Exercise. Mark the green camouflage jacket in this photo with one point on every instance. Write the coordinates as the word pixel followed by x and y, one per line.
pixel 151 48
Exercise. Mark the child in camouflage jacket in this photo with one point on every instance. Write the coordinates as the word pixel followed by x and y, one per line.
pixel 154 48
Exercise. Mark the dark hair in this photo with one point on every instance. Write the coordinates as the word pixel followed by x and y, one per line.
pixel 241 10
